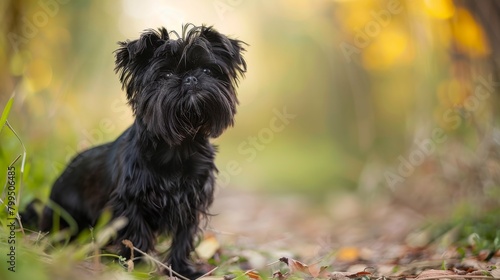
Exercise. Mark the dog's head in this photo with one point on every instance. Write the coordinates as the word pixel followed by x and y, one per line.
pixel 182 86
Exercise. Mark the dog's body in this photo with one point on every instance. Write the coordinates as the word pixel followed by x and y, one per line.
pixel 161 192
pixel 159 174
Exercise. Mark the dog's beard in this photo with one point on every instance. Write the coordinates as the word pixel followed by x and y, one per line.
pixel 174 113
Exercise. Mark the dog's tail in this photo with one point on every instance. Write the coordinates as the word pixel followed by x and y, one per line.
pixel 30 217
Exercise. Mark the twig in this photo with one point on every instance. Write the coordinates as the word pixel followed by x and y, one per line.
pixel 273 263
pixel 244 274
pixel 159 263
pixel 453 277
pixel 221 232
pixel 103 255
pixel 208 273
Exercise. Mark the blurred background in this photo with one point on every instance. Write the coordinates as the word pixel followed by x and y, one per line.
pixel 349 105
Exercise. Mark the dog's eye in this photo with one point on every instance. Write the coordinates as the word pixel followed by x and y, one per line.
pixel 207 71
pixel 169 74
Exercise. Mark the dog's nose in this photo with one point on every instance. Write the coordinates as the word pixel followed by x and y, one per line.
pixel 190 81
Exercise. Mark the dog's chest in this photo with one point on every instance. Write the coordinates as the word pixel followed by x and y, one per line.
pixel 176 197
pixel 175 186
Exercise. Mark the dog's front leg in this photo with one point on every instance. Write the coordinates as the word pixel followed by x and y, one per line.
pixel 182 246
pixel 137 230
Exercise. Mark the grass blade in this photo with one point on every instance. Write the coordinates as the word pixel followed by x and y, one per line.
pixel 6 111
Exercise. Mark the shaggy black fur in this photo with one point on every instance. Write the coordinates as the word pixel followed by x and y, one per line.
pixel 159 174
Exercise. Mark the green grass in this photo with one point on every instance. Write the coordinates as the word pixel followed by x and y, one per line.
pixel 472 235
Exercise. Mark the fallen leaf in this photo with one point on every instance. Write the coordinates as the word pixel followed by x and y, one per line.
pixel 312 270
pixel 434 273
pixel 474 264
pixel 348 254
pixel 129 245
pixel 459 271
pixel 207 248
pixel 130 265
pixel 337 275
pixel 295 266
pixel 253 275
pixel 280 275
pixel 318 271
pixel 359 268
pixel 360 274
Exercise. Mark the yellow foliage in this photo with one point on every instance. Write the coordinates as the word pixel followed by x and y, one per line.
pixel 39 75
pixel 452 93
pixel 441 9
pixel 16 66
pixel 469 34
pixel 354 15
pixel 387 50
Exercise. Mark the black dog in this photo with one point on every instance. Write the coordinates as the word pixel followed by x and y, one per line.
pixel 159 174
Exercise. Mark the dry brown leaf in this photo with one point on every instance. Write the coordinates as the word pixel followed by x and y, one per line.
pixel 280 275
pixel 129 245
pixel 359 274
pixel 130 265
pixel 318 271
pixel 295 266
pixel 130 262
pixel 474 264
pixel 253 275
pixel 434 273
pixel 459 271
pixel 337 275
pixel 312 270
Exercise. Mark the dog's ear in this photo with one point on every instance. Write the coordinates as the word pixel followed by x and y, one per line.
pixel 132 57
pixel 230 51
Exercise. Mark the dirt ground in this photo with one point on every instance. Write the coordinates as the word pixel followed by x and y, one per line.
pixel 351 235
